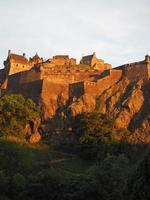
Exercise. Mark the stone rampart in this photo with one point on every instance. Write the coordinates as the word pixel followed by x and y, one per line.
pixel 76 90
pixel 15 80
pixel 31 90
pixel 53 96
pixel 135 71
pixel 148 70
pixel 96 88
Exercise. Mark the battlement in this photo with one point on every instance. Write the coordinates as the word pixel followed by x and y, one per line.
pixel 57 75
pixel 48 80
pixel 136 70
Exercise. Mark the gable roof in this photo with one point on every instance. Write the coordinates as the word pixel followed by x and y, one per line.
pixel 36 57
pixel 18 58
pixel 89 57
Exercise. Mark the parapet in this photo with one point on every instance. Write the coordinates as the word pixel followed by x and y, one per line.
pixel 136 70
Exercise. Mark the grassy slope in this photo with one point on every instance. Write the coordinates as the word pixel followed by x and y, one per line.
pixel 32 159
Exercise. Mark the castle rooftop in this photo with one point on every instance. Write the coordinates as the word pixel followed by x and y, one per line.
pixel 61 56
pixel 18 58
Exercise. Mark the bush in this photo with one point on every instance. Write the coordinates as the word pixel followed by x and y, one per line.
pixel 93 127
pixel 15 113
pixel 18 183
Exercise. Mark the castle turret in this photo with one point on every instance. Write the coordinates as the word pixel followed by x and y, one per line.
pixel 24 55
pixel 147 58
pixel 9 52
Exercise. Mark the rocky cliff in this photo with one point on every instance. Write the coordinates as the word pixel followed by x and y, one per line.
pixel 121 92
pixel 126 101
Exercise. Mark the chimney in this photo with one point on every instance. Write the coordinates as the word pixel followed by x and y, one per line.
pixel 9 52
pixel 24 55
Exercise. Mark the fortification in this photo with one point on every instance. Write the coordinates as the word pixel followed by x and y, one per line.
pixel 58 79
pixel 137 70
pixel 94 62
pixel 16 63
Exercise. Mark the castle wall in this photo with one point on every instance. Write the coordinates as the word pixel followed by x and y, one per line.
pixel 94 60
pixel 2 75
pixel 53 96
pixel 18 67
pixel 148 68
pixel 95 88
pixel 68 76
pixel 27 83
pixel 29 76
pixel 98 87
pixel 63 61
pixel 31 90
pixel 59 77
pixel 76 90
pixel 17 79
pixel 134 71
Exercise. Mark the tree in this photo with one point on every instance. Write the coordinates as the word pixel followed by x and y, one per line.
pixel 111 174
pixel 4 182
pixel 92 127
pixel 15 113
pixel 18 184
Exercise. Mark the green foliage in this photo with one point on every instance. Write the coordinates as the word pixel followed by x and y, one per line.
pixel 18 183
pixel 96 166
pixel 98 103
pixel 91 127
pixel 42 172
pixel 112 174
pixel 4 181
pixel 15 112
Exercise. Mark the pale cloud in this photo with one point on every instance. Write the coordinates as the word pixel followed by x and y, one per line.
pixel 118 30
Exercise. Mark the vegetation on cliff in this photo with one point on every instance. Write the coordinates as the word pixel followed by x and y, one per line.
pixel 96 165
pixel 17 115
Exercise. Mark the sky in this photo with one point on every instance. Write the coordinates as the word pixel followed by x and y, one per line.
pixel 117 30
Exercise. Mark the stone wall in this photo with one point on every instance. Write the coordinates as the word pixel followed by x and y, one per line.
pixel 76 90
pixel 29 76
pixel 23 77
pixel 63 60
pixel 18 67
pixel 31 90
pixel 148 68
pixel 69 76
pixel 96 88
pixel 135 71
pixel 54 95
pixel 59 77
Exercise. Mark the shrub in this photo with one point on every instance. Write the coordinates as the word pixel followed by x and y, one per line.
pixel 15 112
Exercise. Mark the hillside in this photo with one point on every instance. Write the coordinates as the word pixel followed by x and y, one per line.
pixel 127 102
pixel 64 89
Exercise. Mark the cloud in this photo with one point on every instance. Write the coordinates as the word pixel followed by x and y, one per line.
pixel 118 30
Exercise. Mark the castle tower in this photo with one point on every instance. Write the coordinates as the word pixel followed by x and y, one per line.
pixel 16 63
pixel 147 59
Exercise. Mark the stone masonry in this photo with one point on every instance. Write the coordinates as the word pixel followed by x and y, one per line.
pixel 60 77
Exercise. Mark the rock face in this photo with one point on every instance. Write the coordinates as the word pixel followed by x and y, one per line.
pixel 32 130
pixel 64 91
pixel 127 102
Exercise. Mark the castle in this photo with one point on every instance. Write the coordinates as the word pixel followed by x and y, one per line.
pixel 46 80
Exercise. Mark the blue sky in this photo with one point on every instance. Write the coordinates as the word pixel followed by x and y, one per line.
pixel 117 30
